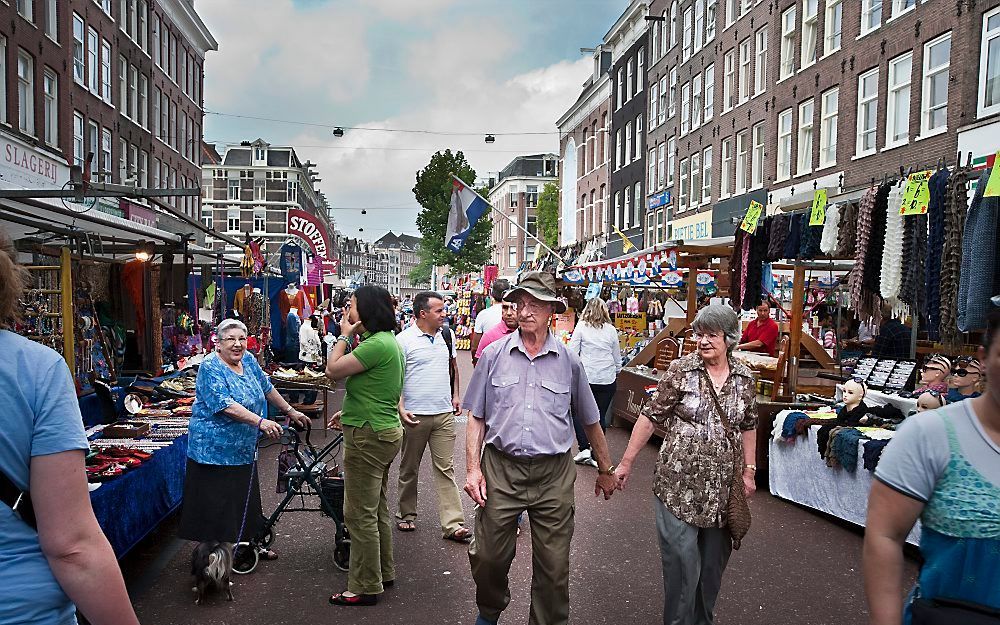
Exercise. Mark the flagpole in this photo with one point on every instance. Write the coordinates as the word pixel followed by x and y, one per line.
pixel 502 214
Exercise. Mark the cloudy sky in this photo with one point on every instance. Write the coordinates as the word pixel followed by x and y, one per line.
pixel 448 66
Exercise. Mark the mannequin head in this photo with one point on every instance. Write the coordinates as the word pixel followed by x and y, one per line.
pixel 854 393
pixel 291 288
pixel 930 400
pixel 966 375
pixel 935 370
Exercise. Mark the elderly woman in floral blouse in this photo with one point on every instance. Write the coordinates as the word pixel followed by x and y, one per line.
pixel 706 403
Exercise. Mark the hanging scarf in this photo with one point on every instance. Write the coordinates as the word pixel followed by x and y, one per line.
pixel 759 243
pixel 892 246
pixel 794 237
pixel 828 242
pixel 931 302
pixel 914 261
pixel 865 209
pixel 809 242
pixel 779 232
pixel 956 207
pixel 979 254
pixel 744 260
pixel 871 302
pixel 736 269
pixel 846 236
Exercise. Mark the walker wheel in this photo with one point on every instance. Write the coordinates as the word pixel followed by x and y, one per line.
pixel 245 559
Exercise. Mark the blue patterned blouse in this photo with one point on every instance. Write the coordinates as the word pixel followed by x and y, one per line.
pixel 214 437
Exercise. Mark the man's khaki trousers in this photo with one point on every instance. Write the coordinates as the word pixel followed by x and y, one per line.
pixel 438 432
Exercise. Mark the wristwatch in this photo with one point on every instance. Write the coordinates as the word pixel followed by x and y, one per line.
pixel 752 467
pixel 609 471
pixel 344 338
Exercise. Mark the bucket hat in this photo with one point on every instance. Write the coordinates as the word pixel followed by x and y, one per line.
pixel 540 285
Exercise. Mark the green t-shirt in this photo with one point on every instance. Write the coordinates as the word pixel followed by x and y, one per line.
pixel 373 395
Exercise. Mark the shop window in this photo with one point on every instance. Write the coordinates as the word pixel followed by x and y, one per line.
pixel 937 60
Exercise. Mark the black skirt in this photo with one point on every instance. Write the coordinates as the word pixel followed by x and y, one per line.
pixel 215 497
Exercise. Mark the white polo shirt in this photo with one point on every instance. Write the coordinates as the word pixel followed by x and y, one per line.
pixel 487 318
pixel 426 383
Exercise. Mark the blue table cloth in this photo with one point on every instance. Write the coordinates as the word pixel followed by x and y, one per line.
pixel 128 508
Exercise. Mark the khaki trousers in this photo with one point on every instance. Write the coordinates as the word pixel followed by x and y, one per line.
pixel 367 457
pixel 437 431
pixel 543 487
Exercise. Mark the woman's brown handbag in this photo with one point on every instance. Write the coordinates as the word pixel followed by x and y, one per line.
pixel 737 508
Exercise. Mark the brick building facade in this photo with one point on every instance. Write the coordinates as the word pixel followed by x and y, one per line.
pixel 515 192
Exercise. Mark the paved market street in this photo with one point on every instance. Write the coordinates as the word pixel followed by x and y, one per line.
pixel 795 567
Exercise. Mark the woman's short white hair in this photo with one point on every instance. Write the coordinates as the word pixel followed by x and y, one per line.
pixel 230 324
pixel 719 318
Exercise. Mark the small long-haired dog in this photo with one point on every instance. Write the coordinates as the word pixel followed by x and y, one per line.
pixel 211 563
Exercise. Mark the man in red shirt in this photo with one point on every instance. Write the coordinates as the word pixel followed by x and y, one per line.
pixel 761 334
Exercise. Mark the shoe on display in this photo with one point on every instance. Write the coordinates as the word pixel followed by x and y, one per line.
pixel 582 457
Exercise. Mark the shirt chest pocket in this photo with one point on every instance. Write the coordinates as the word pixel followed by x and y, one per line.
pixel 553 397
pixel 505 390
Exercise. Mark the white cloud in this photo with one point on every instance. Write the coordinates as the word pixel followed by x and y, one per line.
pixel 270 47
pixel 408 9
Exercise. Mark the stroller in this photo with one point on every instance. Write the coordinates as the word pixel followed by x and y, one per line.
pixel 303 471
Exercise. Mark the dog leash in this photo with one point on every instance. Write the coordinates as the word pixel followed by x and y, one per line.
pixel 253 467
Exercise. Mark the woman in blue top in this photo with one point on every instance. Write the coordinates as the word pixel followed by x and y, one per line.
pixel 943 467
pixel 229 410
pixel 66 560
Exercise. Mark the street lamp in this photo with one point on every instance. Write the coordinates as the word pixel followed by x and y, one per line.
pixel 490 139
pixel 338 132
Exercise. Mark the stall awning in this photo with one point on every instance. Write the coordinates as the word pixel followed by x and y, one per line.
pixel 654 266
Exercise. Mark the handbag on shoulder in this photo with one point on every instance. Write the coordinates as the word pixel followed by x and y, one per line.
pixel 943 611
pixel 737 507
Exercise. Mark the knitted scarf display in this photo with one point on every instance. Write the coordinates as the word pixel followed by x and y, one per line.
pixel 794 237
pixel 871 302
pixel 956 207
pixel 744 260
pixel 911 291
pixel 979 256
pixel 892 249
pixel 862 239
pixel 779 232
pixel 930 304
pixel 758 245
pixel 809 242
pixel 846 239
pixel 736 269
pixel 831 228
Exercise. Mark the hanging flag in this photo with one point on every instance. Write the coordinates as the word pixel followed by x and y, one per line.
pixel 467 207
pixel 627 244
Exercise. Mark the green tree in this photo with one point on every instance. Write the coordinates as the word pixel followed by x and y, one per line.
pixel 421 272
pixel 548 215
pixel 433 193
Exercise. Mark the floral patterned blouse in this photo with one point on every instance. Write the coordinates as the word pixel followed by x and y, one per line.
pixel 697 459
pixel 213 436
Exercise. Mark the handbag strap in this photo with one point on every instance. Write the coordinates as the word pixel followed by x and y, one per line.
pixel 730 427
pixel 17 500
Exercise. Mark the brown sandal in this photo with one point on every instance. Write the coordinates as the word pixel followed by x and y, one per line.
pixel 461 535
pixel 406 526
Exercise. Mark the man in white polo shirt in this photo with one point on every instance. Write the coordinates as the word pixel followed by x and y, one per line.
pixel 488 317
pixel 427 409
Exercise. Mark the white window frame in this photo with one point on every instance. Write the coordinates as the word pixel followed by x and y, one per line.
pixel 78 138
pixel 833 26
pixel 729 81
pixel 232 219
pixel 627 156
pixel 25 92
pixel 627 208
pixel 661 166
pixel 638 137
pixel 259 219
pixel 807 113
pixel 661 114
pixel 709 98
pixel 674 10
pixel 143 102
pixel 671 159
pixel 696 101
pixel 52 20
pixel 871 16
pixel 651 168
pixel 694 194
pixel 810 33
pixel 829 118
pixel 654 46
pixel 699 24
pixel 726 166
pixel 743 86
pixel 93 61
pixel 629 79
pixel 742 149
pixel 865 102
pixel 760 62
pixel 787 60
pixel 930 75
pixel 79 30
pixel 991 37
pixel 757 156
pixel 107 163
pixel 25 8
pixel 785 129
pixel 711 16
pixel 685 108
pixel 686 42
pixel 899 81
pixel 672 96
pixel 901 7
pixel 50 106
pixel 618 149
pixel 640 71
pixel 682 186
pixel 106 70
pixel 621 88
pixel 706 175
pixel 654 97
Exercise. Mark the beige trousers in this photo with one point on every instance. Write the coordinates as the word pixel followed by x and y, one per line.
pixel 438 432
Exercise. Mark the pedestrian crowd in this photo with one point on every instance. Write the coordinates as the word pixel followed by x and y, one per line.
pixel 530 397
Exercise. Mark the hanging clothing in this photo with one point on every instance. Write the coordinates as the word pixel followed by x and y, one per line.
pixel 914 262
pixel 240 301
pixel 931 304
pixel 871 301
pixel 978 278
pixel 287 302
pixel 846 235
pixel 794 239
pixel 255 313
pixel 810 239
pixel 864 231
pixel 133 281
pixel 736 269
pixel 779 233
pixel 892 246
pixel 831 228
pixel 292 338
pixel 956 208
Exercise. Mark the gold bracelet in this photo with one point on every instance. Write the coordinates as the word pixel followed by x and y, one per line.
pixel 752 467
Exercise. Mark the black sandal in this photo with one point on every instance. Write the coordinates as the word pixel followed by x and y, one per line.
pixel 356 600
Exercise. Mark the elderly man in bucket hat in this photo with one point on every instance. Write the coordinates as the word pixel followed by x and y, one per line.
pixel 523 397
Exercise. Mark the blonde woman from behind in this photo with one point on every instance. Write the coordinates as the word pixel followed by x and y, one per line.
pixel 595 340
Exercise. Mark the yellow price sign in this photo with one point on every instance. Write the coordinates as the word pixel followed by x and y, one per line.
pixel 917 194
pixel 749 223
pixel 818 215
pixel 993 184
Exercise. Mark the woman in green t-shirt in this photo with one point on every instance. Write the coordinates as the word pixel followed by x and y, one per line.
pixel 373 436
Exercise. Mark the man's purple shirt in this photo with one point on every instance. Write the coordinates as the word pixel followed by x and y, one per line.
pixel 528 404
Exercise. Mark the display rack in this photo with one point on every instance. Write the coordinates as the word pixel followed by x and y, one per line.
pixel 51 292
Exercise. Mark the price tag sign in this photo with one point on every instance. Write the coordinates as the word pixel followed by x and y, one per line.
pixel 750 220
pixel 993 184
pixel 818 215
pixel 917 194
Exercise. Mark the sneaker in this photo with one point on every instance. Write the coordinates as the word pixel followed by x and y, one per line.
pixel 583 457
pixel 590 462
